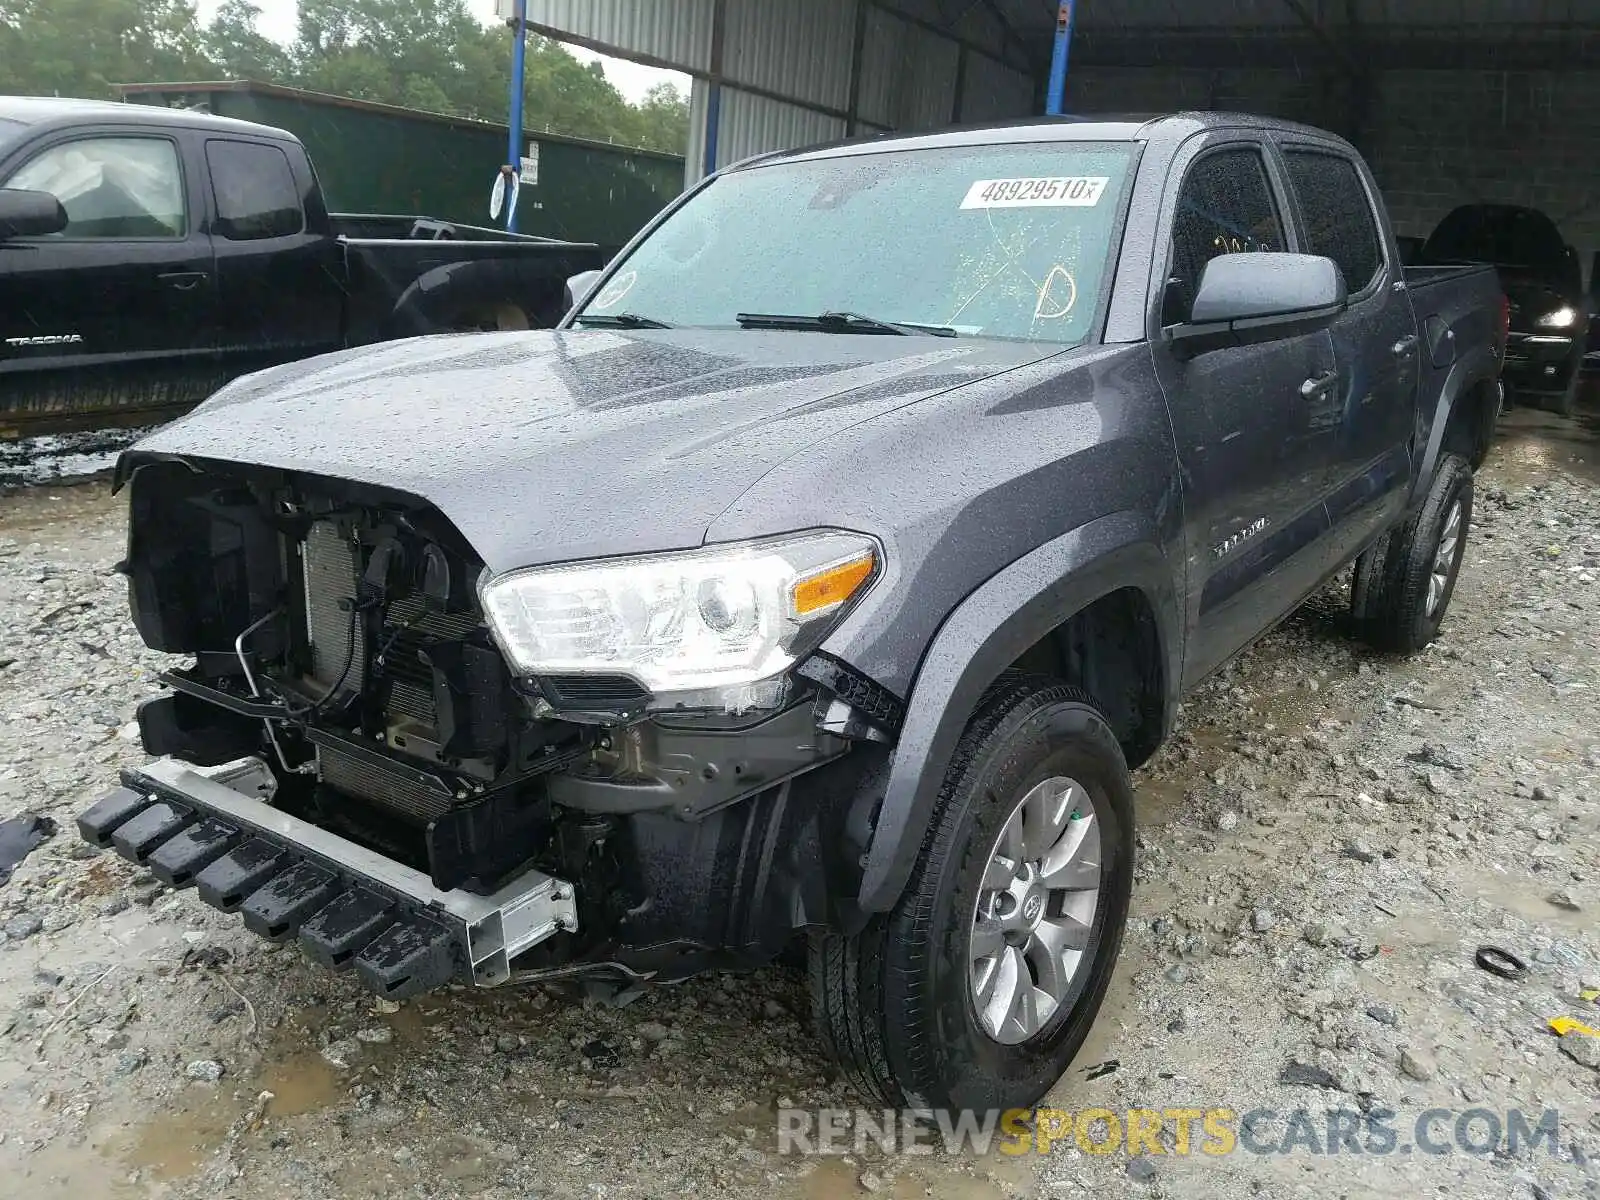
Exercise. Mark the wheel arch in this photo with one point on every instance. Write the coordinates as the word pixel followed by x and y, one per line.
pixel 1112 568
pixel 1463 417
pixel 443 294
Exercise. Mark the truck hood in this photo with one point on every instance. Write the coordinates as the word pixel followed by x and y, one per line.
pixel 550 446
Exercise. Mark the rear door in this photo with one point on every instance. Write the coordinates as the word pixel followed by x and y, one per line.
pixel 114 315
pixel 1251 444
pixel 1375 344
pixel 280 288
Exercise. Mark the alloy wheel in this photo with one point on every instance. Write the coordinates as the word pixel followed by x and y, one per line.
pixel 1034 916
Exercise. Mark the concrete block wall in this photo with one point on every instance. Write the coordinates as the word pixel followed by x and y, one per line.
pixel 1437 138
pixel 1434 138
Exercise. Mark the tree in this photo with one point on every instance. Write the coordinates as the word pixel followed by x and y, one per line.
pixel 664 119
pixel 85 47
pixel 428 54
pixel 234 44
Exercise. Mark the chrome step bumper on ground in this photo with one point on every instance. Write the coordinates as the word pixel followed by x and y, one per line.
pixel 214 827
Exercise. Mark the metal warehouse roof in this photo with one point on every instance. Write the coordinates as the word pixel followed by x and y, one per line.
pixel 1412 33
pixel 773 74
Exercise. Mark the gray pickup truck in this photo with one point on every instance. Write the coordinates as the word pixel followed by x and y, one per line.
pixel 825 573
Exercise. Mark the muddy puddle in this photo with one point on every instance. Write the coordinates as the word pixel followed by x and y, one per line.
pixel 1531 443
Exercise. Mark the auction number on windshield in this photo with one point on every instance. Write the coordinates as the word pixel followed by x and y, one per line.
pixel 1070 191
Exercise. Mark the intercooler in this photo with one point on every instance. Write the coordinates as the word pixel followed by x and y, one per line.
pixel 332 568
pixel 389 789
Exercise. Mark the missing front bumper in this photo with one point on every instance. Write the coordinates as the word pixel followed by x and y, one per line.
pixel 347 906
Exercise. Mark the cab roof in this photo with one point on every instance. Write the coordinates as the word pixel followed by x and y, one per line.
pixel 1119 127
pixel 45 111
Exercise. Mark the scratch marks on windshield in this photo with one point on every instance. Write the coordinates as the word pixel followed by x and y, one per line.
pixel 1058 295
pixel 1005 270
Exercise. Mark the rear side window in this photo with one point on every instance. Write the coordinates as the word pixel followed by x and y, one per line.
pixel 1338 215
pixel 255 191
pixel 1225 207
pixel 116 188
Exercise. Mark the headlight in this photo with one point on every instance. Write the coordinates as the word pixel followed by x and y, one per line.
pixel 1562 318
pixel 717 618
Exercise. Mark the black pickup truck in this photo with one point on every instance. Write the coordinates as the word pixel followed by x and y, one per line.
pixel 149 255
pixel 826 571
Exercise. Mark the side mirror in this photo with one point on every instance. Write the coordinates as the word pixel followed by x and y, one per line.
pixel 1247 299
pixel 29 214
pixel 579 287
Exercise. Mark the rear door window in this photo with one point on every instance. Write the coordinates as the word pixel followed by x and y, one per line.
pixel 1226 207
pixel 1338 215
pixel 255 191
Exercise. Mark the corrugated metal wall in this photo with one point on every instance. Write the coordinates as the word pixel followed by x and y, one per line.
pixel 991 92
pixel 676 34
pixel 786 68
pixel 799 50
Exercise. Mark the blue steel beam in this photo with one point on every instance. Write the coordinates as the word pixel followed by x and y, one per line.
pixel 1066 17
pixel 519 48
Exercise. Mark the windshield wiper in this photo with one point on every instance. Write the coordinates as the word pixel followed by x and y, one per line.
pixel 841 322
pixel 622 321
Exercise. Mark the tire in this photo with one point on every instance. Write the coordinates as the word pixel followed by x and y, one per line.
pixel 1404 583
pixel 897 1006
pixel 491 318
pixel 1566 403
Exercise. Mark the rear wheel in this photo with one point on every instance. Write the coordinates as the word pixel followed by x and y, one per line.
pixel 979 987
pixel 490 318
pixel 1404 583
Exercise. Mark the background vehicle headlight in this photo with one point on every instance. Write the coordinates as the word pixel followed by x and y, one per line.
pixel 719 617
pixel 1562 318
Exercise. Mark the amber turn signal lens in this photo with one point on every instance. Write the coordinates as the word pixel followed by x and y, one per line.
pixel 832 587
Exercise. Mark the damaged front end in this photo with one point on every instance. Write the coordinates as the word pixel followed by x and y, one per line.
pixel 628 770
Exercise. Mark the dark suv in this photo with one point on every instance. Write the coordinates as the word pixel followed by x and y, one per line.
pixel 1543 278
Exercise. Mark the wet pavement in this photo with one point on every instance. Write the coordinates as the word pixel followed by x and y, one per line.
pixel 1332 832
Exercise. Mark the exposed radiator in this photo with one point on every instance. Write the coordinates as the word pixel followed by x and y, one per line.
pixel 408 627
pixel 332 567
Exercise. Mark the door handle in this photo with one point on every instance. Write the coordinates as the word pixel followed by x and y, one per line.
pixel 183 281
pixel 1317 384
pixel 1406 346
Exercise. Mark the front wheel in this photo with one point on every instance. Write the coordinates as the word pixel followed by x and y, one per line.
pixel 1403 585
pixel 979 987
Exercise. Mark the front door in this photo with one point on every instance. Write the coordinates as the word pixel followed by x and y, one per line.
pixel 111 319
pixel 1374 342
pixel 1251 422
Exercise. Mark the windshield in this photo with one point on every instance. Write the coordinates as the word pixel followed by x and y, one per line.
pixel 997 241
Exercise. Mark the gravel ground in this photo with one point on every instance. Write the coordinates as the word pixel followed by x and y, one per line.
pixel 1323 847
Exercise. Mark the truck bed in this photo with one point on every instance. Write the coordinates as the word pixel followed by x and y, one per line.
pixel 1423 276
pixel 400 227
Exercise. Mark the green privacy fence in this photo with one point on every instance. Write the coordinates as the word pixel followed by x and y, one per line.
pixel 378 158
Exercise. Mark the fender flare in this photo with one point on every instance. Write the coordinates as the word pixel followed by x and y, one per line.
pixel 1466 373
pixel 980 638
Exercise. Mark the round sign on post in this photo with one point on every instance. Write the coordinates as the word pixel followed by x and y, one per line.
pixel 498 200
